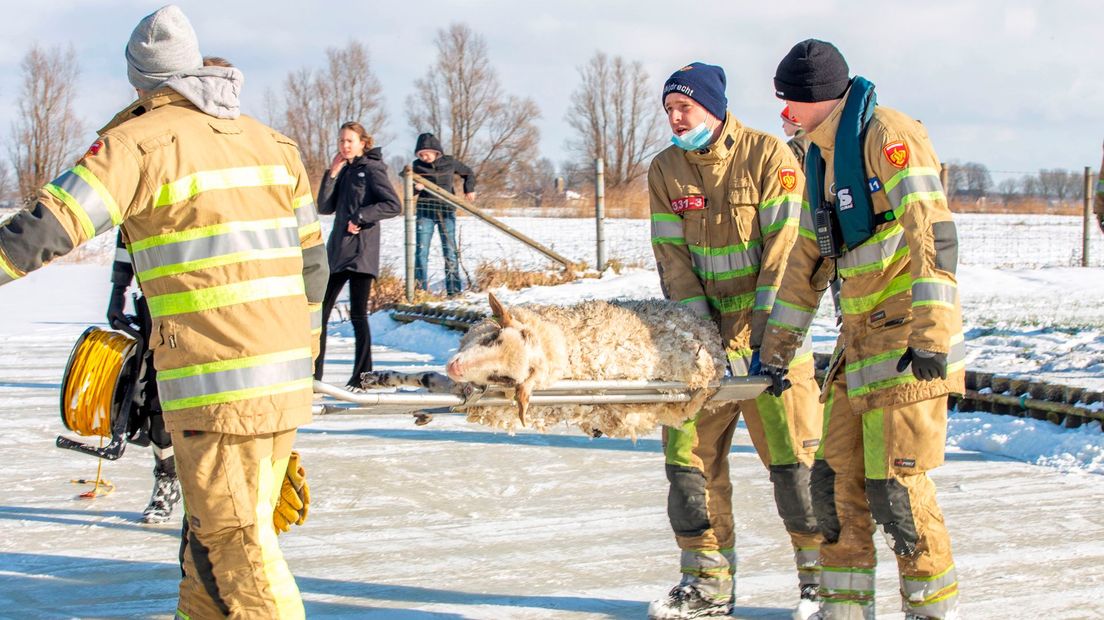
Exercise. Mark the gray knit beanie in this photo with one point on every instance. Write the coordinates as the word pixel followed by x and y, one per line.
pixel 162 44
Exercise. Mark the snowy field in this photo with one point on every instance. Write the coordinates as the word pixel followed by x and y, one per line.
pixel 453 520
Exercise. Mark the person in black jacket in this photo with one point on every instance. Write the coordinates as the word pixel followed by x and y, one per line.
pixel 357 192
pixel 432 212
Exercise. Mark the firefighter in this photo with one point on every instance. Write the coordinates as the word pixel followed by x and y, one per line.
pixel 217 213
pixel 882 227
pixel 725 201
pixel 798 141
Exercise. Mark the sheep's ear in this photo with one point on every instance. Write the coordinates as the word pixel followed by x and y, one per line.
pixel 524 390
pixel 498 311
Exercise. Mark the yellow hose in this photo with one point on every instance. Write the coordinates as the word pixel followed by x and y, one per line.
pixel 91 379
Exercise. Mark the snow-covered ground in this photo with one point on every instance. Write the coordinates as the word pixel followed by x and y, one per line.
pixel 452 520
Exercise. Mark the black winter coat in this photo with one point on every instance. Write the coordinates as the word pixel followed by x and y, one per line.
pixel 362 194
pixel 441 172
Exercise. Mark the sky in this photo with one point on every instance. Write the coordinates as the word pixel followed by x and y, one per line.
pixel 1014 85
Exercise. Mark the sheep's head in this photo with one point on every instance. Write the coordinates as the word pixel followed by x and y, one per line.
pixel 508 356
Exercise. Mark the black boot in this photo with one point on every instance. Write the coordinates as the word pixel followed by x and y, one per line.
pixel 166 491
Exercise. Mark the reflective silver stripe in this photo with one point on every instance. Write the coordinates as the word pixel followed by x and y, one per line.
pixel 855 581
pixel 764 297
pixel 774 216
pixel 931 596
pixel 808 568
pixel 698 306
pixel 806 346
pixel 808 224
pixel 914 184
pixel 873 373
pixel 710 572
pixel 958 350
pixel 88 198
pixel 306 214
pixel 791 316
pixel 875 253
pixel 316 317
pixel 122 256
pixel 663 230
pixel 926 291
pixel 739 362
pixel 5 278
pixel 217 245
pixel 726 265
pixel 234 379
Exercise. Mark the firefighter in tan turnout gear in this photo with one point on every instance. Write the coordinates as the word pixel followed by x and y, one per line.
pixel 876 218
pixel 217 213
pixel 725 202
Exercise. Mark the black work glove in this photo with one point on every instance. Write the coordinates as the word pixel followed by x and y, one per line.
pixel 926 365
pixel 116 306
pixel 779 382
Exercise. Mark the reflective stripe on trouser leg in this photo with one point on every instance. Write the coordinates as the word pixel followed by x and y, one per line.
pixel 902 444
pixel 770 422
pixel 699 501
pixel 848 558
pixel 232 562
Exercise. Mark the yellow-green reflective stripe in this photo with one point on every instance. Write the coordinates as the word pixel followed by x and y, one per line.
pixel 218 261
pixel 315 311
pixel 726 262
pixel 779 212
pixel 764 297
pixel 236 395
pixel 912 185
pixel 724 250
pixel 8 268
pixel 772 415
pixel 933 292
pixel 733 304
pixel 306 231
pixel 227 178
pixel 801 358
pixel 876 253
pixel 74 207
pixel 698 305
pixel 866 303
pixel 302 201
pixel 108 200
pixel 874 449
pixel 667 228
pixel 225 295
pixel 241 362
pixel 679 448
pixel 211 231
pixel 237 377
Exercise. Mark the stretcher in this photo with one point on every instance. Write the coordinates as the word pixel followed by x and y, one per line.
pixel 420 401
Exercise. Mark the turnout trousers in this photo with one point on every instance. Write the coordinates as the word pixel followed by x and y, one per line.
pixel 785 432
pixel 230 559
pixel 872 471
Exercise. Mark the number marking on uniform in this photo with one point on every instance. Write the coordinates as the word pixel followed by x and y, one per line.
pixel 694 202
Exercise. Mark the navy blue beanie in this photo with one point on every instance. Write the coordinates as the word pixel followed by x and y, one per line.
pixel 702 83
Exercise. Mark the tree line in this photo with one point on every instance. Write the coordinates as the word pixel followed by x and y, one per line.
pixel 973 181
pixel 613 114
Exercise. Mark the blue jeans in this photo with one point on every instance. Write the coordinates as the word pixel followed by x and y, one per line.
pixel 446 227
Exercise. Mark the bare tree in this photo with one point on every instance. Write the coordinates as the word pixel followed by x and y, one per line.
pixel 318 101
pixel 1055 183
pixel 616 118
pixel 1009 189
pixel 46 132
pixel 461 101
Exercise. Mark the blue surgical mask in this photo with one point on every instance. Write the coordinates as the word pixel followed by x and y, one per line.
pixel 693 140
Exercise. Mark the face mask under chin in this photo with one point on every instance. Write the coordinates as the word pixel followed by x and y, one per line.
pixel 695 139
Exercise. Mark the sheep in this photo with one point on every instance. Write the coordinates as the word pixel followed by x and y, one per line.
pixel 530 348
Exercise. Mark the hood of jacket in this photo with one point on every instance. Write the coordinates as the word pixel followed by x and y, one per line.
pixel 428 141
pixel 214 90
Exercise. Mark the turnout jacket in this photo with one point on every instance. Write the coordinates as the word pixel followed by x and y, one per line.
pixel 724 219
pixel 898 287
pixel 226 245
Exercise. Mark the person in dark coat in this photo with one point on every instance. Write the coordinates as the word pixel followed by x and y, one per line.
pixel 357 192
pixel 432 212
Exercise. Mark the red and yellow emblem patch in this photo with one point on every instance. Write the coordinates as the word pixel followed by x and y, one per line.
pixel 897 153
pixel 94 149
pixel 788 178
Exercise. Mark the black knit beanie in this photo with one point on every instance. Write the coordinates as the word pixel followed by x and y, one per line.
pixel 813 71
pixel 428 141
pixel 702 83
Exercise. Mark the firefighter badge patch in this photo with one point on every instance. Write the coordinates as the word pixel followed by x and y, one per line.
pixel 788 178
pixel 94 149
pixel 896 153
